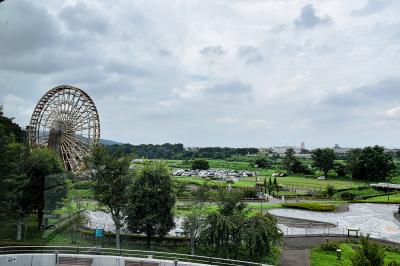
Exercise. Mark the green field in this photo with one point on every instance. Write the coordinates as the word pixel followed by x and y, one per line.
pixel 329 258
pixel 394 198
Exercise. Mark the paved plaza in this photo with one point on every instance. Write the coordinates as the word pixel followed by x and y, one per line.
pixel 374 219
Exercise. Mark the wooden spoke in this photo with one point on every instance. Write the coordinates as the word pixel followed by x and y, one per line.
pixel 66 120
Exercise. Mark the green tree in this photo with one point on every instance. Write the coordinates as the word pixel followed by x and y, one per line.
pixel 113 178
pixel 261 235
pixel 193 223
pixel 40 165
pixel 299 168
pixel 200 164
pixel 262 163
pixel 340 169
pixel 288 160
pixel 370 254
pixel 276 185
pixel 75 208
pixel 229 231
pixel 151 201
pixel 15 199
pixel 370 163
pixel 323 159
pixel 270 186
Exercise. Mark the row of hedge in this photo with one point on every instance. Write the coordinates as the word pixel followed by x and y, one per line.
pixel 311 206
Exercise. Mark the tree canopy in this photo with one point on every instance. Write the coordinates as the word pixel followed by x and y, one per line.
pixel 370 163
pixel 113 179
pixel 323 159
pixel 200 164
pixel 151 201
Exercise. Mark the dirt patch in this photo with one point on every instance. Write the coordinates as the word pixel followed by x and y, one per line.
pixel 342 208
pixel 295 257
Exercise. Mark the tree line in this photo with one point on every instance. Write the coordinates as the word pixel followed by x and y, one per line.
pixel 370 163
pixel 178 152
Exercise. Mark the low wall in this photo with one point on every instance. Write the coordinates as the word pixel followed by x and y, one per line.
pixel 98 260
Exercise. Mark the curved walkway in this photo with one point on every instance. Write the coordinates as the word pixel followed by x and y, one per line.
pixel 374 219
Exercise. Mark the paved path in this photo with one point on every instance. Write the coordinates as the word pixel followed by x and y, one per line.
pixel 295 257
pixel 374 219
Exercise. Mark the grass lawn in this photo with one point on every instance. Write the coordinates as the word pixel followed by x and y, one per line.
pixel 312 206
pixel 325 258
pixel 394 198
pixel 304 182
pixel 264 205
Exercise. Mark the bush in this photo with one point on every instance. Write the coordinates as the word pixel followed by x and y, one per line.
pixel 347 195
pixel 200 164
pixel 249 193
pixel 330 190
pixel 311 206
pixel 299 168
pixel 262 163
pixel 332 245
pixel 393 263
pixel 370 253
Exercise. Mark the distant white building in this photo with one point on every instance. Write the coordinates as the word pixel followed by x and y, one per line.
pixel 341 151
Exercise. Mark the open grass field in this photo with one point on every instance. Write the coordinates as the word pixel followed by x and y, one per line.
pixel 297 182
pixel 394 198
pixel 329 258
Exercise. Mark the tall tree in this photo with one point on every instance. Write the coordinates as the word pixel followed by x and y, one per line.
pixel 261 235
pixel 370 163
pixel 193 223
pixel 41 164
pixel 323 159
pixel 288 160
pixel 151 201
pixel 113 178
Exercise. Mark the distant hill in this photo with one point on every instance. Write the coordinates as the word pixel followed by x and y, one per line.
pixel 109 142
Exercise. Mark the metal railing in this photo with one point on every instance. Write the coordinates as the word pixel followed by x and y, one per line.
pixel 124 253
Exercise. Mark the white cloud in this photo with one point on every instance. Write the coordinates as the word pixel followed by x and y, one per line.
pixel 312 65
pixel 256 124
pixel 227 120
pixel 393 112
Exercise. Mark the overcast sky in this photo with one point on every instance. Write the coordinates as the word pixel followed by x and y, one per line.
pixel 212 72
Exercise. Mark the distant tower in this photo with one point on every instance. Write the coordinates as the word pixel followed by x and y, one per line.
pixel 302 146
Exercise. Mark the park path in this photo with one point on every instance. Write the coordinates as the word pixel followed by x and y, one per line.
pixel 295 257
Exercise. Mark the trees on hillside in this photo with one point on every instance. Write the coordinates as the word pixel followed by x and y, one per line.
pixel 370 163
pixel 113 179
pixel 323 159
pixel 151 201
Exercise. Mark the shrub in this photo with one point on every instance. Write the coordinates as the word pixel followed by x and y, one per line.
pixel 330 190
pixel 200 164
pixel 347 195
pixel 370 253
pixel 249 193
pixel 393 263
pixel 311 206
pixel 332 245
pixel 262 163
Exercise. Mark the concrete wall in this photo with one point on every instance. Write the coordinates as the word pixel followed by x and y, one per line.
pixel 28 260
pixel 98 260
